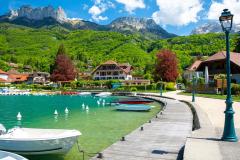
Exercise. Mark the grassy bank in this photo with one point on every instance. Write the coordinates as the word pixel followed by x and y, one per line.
pixel 214 96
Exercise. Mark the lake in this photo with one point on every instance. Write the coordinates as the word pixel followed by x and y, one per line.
pixel 100 126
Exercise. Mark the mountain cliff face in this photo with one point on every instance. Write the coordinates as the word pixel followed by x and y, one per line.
pixel 142 25
pixel 46 16
pixel 213 27
pixel 39 13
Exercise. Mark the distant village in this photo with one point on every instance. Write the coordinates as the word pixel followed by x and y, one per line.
pixel 206 69
pixel 109 70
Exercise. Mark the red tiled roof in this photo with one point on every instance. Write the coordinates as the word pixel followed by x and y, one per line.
pixel 234 57
pixel 18 77
pixel 2 72
pixel 195 65
pixel 126 67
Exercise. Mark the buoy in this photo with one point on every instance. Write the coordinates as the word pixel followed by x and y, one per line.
pixel 87 108
pixel 83 105
pixel 98 102
pixel 55 112
pixel 19 116
pixel 66 111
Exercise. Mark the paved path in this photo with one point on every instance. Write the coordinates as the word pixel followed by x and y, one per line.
pixel 162 139
pixel 214 108
pixel 205 143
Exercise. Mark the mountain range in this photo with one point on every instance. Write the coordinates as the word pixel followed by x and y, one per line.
pixel 49 16
pixel 46 16
pixel 213 27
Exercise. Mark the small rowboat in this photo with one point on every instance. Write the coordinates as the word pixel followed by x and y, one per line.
pixel 133 107
pixel 31 141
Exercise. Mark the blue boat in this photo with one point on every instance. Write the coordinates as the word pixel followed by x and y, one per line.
pixel 133 107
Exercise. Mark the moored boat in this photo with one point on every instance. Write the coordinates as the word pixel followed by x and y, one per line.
pixel 30 141
pixel 133 107
pixel 103 94
pixel 134 100
pixel 84 93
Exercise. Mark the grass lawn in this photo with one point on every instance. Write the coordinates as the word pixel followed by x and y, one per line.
pixel 215 96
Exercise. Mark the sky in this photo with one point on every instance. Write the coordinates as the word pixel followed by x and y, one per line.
pixel 176 16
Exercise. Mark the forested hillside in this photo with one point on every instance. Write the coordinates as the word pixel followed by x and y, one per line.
pixel 38 47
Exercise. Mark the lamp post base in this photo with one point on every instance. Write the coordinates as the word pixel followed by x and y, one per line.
pixel 229 133
pixel 229 139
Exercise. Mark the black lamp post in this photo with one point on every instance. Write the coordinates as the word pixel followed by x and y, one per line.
pixel 226 20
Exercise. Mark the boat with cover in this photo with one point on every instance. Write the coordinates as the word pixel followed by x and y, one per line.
pixel 103 94
pixel 31 141
pixel 134 100
pixel 133 107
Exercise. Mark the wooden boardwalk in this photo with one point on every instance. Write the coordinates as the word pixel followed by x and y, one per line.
pixel 162 139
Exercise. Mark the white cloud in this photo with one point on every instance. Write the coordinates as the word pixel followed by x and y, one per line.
pixel 131 5
pixel 99 7
pixel 217 8
pixel 177 12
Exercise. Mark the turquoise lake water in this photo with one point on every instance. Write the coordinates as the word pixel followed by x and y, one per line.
pixel 100 125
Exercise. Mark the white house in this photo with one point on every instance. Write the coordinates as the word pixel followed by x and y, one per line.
pixel 112 70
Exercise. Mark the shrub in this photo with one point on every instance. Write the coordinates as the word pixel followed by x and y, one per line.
pixel 133 89
pixel 235 89
pixel 201 80
pixel 170 86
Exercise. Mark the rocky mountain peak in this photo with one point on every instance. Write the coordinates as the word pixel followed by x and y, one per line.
pixel 133 22
pixel 213 27
pixel 38 13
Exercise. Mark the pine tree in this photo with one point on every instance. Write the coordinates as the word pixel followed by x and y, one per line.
pixel 63 69
pixel 166 67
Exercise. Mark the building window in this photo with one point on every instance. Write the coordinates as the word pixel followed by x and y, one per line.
pixel 109 73
pixel 102 73
pixel 115 73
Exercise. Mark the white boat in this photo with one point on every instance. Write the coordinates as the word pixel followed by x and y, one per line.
pixel 133 107
pixel 103 94
pixel 10 156
pixel 85 93
pixel 30 141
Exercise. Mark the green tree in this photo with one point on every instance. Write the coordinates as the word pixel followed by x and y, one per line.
pixel 237 43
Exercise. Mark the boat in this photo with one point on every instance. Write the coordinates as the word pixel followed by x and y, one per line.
pixel 84 93
pixel 134 100
pixel 31 141
pixel 10 156
pixel 103 94
pixel 133 107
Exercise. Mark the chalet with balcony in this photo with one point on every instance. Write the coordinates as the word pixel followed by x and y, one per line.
pixel 216 64
pixel 38 78
pixel 118 71
pixel 112 70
